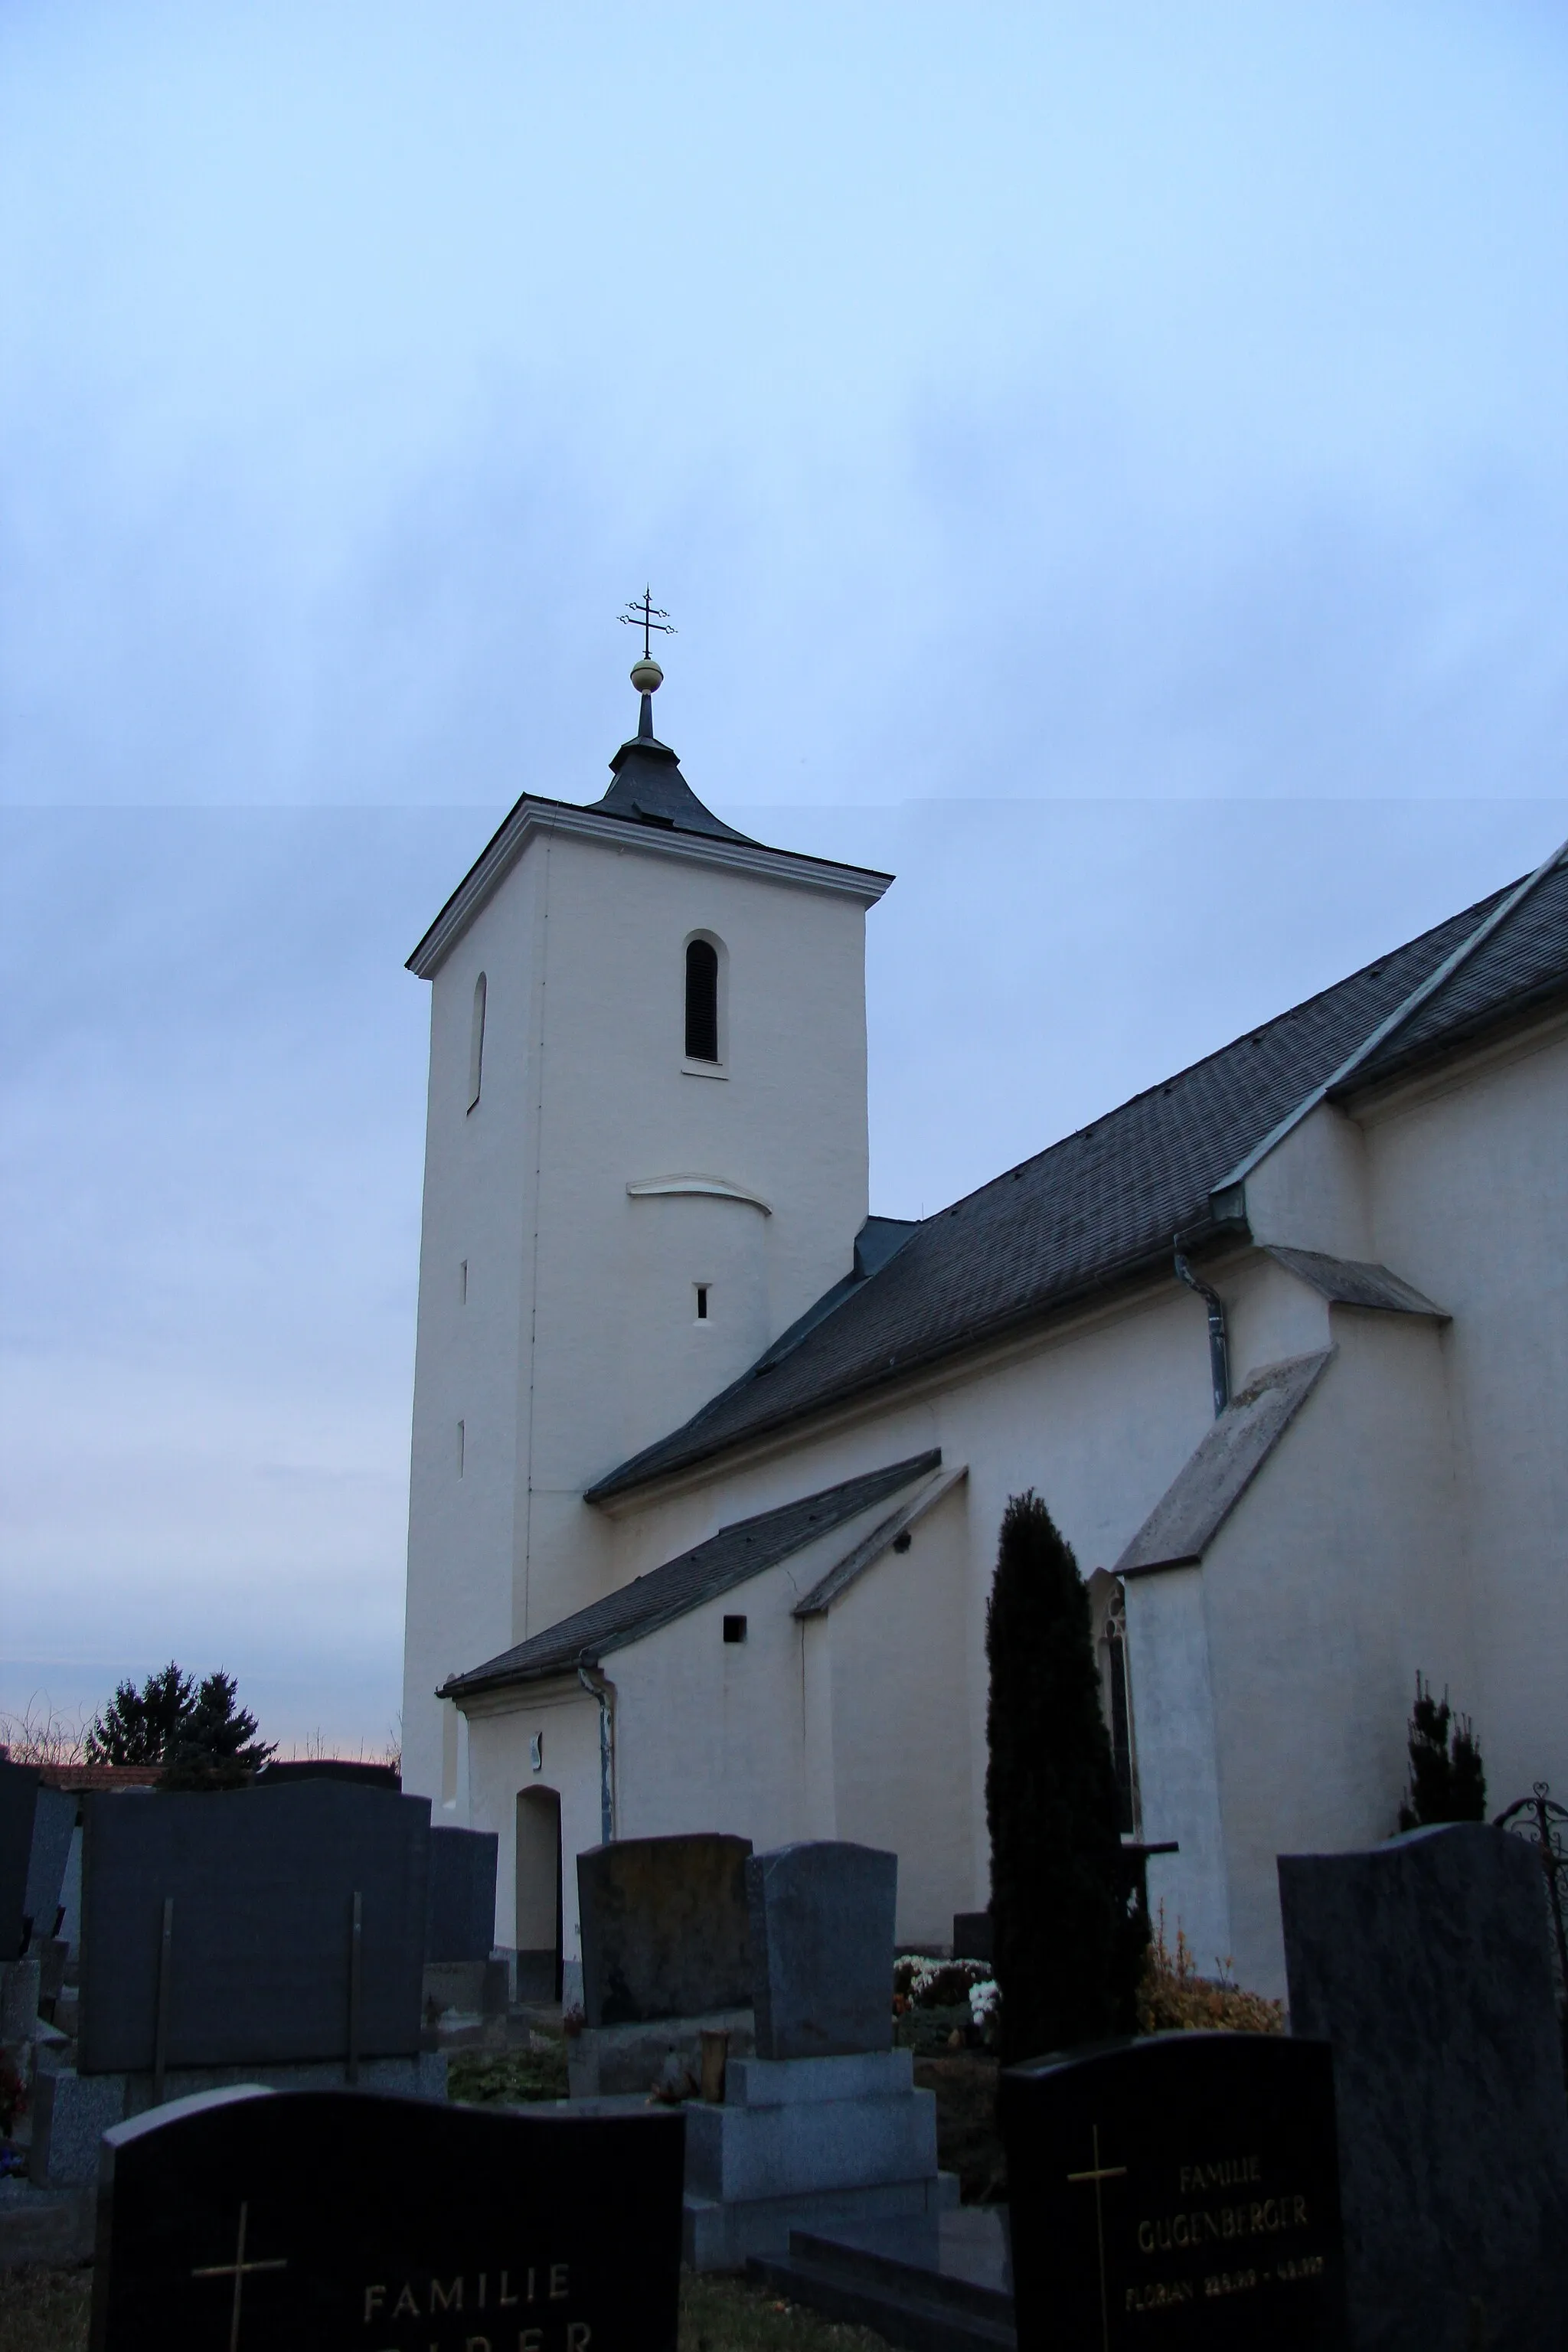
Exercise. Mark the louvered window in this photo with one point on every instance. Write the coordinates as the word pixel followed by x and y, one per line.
pixel 701 1002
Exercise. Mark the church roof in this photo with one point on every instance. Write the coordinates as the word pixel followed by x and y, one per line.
pixel 1101 1206
pixel 647 793
pixel 737 1552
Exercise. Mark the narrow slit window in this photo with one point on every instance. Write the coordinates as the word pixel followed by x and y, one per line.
pixel 701 1001
pixel 702 1302
pixel 477 1043
pixel 463 1283
pixel 734 1629
pixel 462 1451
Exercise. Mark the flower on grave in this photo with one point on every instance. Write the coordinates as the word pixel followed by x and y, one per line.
pixel 925 1983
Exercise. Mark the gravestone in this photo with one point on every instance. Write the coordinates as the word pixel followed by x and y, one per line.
pixel 54 1819
pixel 461 1912
pixel 664 1929
pixel 972 1937
pixel 1424 1963
pixel 261 1962
pixel 306 2221
pixel 822 1917
pixel 18 1794
pixel 1180 2190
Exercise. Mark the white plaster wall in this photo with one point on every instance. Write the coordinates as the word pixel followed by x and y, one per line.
pixel 1177 1759
pixel 461 1531
pixel 1270 1315
pixel 1099 1420
pixel 1470 1203
pixel 904 1757
pixel 567 1721
pixel 1338 1574
pixel 1312 1190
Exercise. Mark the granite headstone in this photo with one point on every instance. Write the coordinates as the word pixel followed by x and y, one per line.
pixel 822 1917
pixel 1424 1963
pixel 18 1795
pixel 972 1937
pixel 460 1918
pixel 264 2221
pixel 1176 2191
pixel 54 1819
pixel 664 1928
pixel 261 1963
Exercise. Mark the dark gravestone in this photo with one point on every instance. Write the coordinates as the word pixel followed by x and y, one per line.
pixel 250 2220
pixel 971 1936
pixel 53 1822
pixel 822 1948
pixel 261 1949
pixel 18 1793
pixel 275 1775
pixel 664 1929
pixel 1424 1963
pixel 461 1915
pixel 1176 2191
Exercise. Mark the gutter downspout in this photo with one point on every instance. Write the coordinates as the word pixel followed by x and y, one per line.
pixel 1219 1343
pixel 603 1691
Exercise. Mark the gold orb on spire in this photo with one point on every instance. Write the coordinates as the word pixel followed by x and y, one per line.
pixel 647 674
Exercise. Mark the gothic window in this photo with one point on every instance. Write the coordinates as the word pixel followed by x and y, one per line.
pixel 701 1001
pixel 1116 1693
pixel 477 1043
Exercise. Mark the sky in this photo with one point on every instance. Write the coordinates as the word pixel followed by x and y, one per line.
pixel 1107 467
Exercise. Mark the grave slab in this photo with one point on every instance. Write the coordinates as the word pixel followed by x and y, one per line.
pixel 932 2282
pixel 306 2221
pixel 822 1917
pixel 54 1820
pixel 612 2060
pixel 1176 2191
pixel 664 1928
pixel 19 1796
pixel 462 1918
pixel 73 2111
pixel 261 1953
pixel 1424 1962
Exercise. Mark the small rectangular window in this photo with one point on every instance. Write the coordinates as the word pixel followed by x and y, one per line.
pixel 734 1629
pixel 702 1302
pixel 477 1043
pixel 462 1449
pixel 463 1283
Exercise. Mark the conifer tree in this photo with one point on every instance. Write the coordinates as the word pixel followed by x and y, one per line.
pixel 1068 1942
pixel 141 1727
pixel 216 1747
pixel 1447 1778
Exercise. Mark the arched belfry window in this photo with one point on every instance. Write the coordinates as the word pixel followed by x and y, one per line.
pixel 477 1043
pixel 701 1001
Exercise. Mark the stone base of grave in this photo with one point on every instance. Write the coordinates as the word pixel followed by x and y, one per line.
pixel 466 2001
pixel 807 2143
pixel 51 2227
pixel 73 2111
pixel 942 2283
pixel 606 2061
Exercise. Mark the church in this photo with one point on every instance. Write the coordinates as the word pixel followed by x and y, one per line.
pixel 708 1461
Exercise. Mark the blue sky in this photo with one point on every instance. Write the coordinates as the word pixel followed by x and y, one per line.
pixel 1107 466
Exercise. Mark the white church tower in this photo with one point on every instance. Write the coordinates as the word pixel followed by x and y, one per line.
pixel 646 1156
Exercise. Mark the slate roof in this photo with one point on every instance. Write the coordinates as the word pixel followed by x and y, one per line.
pixel 1211 1482
pixel 738 1552
pixel 1102 1206
pixel 1356 1282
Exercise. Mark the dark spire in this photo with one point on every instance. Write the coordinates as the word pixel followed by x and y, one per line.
pixel 648 787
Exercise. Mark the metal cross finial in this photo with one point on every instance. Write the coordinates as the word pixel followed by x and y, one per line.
pixel 239 2270
pixel 643 613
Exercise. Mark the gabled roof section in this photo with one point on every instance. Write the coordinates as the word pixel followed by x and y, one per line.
pixel 1192 1510
pixel 1100 1208
pixel 739 1551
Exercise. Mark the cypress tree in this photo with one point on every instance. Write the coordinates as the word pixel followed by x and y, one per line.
pixel 1068 1942
pixel 1447 1778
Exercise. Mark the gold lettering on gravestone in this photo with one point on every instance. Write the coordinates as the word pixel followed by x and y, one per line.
pixel 1098 2173
pixel 239 2270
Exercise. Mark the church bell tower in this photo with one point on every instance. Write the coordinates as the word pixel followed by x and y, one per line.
pixel 646 1156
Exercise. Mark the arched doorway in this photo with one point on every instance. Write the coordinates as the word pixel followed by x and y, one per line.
pixel 538 1895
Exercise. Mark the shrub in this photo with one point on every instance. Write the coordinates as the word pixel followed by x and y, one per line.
pixel 1069 1941
pixel 1173 1997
